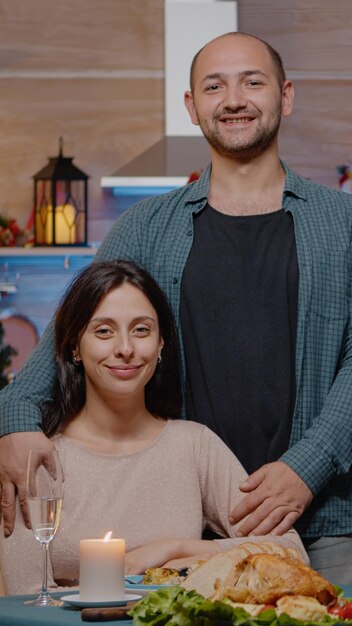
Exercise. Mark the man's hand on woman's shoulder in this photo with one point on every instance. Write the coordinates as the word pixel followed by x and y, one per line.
pixel 276 498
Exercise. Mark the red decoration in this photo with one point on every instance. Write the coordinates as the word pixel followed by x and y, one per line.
pixel 12 235
pixel 194 176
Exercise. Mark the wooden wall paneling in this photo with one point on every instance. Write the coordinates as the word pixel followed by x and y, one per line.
pixel 46 35
pixel 317 137
pixel 314 40
pixel 112 107
pixel 104 124
pixel 310 36
pixel 89 71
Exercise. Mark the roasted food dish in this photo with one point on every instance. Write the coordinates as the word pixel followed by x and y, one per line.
pixel 203 580
pixel 221 567
pixel 267 586
pixel 161 576
pixel 168 576
pixel 265 578
pixel 301 607
pixel 255 575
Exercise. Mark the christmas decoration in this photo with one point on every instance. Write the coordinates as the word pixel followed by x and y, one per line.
pixel 12 235
pixel 6 352
pixel 345 174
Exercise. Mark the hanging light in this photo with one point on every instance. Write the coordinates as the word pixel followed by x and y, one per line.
pixel 60 203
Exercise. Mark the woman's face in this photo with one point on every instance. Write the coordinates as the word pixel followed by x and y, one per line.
pixel 121 344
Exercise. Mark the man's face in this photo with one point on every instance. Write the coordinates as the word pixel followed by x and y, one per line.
pixel 237 100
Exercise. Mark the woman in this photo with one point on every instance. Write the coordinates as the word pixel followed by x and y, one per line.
pixel 129 467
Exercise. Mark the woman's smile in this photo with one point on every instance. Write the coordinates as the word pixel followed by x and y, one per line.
pixel 124 372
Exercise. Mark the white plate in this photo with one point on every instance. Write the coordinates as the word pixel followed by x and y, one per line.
pixel 75 600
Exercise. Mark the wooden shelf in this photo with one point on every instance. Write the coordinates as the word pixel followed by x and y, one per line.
pixel 48 251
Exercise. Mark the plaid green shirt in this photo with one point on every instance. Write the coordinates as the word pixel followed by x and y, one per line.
pixel 157 233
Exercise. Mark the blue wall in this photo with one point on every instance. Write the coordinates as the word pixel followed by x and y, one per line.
pixel 40 281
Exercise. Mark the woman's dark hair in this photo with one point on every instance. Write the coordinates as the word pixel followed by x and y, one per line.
pixel 162 393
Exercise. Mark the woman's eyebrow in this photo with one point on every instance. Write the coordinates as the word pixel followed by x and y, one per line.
pixel 111 320
pixel 101 320
pixel 142 318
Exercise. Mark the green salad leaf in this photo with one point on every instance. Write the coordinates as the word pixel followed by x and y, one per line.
pixel 174 606
pixel 338 590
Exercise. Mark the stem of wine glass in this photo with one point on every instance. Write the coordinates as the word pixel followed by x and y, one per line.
pixel 45 549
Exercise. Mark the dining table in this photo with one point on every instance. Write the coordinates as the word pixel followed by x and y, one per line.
pixel 13 612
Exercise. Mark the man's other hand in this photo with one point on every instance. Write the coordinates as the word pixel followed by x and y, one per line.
pixel 14 451
pixel 276 498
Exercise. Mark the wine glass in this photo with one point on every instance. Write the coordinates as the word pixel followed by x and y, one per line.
pixel 44 498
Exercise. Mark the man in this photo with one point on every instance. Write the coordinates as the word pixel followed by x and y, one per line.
pixel 256 264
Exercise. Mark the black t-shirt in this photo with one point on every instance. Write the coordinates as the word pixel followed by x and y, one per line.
pixel 238 313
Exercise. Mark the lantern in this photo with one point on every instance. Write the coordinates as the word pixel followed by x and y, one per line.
pixel 60 203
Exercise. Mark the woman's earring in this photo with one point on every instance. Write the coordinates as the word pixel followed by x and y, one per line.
pixel 159 358
pixel 75 361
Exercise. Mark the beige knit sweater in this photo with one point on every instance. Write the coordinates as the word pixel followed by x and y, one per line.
pixel 183 480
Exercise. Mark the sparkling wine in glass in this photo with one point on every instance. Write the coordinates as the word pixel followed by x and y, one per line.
pixel 44 498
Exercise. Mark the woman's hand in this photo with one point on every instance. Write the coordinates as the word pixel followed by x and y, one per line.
pixel 187 561
pixel 153 554
pixel 161 553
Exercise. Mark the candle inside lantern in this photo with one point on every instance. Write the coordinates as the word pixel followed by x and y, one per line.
pixel 102 569
pixel 65 228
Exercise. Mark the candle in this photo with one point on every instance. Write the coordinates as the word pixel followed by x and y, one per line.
pixel 65 228
pixel 102 569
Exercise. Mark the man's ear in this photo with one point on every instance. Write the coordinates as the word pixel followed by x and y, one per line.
pixel 287 98
pixel 189 104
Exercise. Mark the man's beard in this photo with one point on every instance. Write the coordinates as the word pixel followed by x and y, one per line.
pixel 244 149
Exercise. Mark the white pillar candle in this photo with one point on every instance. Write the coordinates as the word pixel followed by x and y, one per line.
pixel 102 569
